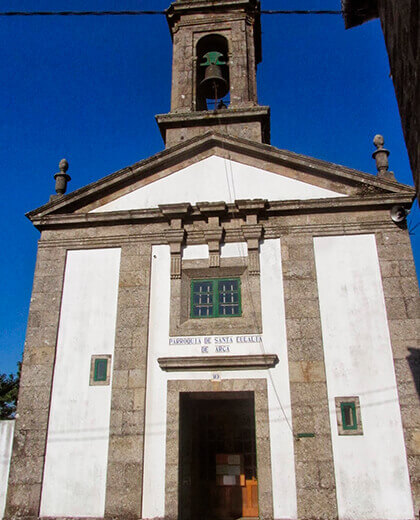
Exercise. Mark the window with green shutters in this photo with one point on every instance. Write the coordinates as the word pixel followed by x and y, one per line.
pixel 216 298
pixel 101 369
pixel 348 415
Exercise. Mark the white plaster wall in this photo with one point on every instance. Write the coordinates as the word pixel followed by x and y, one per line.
pixel 279 400
pixel 215 179
pixel 78 433
pixel 371 470
pixel 7 429
pixel 274 342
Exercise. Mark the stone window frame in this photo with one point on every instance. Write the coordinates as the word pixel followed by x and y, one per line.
pixel 250 321
pixel 342 430
pixel 262 434
pixel 94 358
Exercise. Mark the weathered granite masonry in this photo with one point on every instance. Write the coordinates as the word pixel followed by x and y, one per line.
pixel 27 465
pixel 125 457
pixel 403 310
pixel 262 433
pixel 315 481
pixel 239 23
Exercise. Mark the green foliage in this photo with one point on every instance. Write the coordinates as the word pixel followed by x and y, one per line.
pixel 9 387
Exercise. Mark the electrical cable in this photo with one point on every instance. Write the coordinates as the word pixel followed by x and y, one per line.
pixel 145 13
pixel 243 256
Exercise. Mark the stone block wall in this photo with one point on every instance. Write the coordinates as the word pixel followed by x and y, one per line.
pixel 403 311
pixel 316 486
pixel 27 465
pixel 315 480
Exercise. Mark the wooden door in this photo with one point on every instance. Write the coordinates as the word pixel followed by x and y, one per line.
pixel 250 498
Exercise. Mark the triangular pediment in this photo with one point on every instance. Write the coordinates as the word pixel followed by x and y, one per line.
pixel 215 167
pixel 217 179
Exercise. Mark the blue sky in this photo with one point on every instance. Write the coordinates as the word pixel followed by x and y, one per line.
pixel 88 88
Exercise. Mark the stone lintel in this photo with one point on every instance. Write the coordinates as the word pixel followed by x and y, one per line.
pixel 259 361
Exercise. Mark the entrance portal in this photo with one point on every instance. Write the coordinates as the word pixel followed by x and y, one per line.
pixel 218 463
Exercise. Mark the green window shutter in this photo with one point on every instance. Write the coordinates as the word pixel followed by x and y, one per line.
pixel 101 369
pixel 348 416
pixel 229 294
pixel 202 298
pixel 216 298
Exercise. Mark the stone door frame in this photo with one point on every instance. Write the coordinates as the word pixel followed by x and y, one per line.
pixel 262 437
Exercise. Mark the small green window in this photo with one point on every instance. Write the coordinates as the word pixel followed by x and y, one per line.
pixel 101 369
pixel 217 298
pixel 348 415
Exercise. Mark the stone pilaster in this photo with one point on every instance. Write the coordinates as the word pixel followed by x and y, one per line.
pixel 176 234
pixel 214 237
pixel 125 459
pixel 214 232
pixel 175 238
pixel 403 310
pixel 27 464
pixel 253 234
pixel 315 479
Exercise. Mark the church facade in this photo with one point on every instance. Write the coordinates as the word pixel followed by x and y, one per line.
pixel 223 330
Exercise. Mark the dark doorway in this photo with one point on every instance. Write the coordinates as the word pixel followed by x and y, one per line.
pixel 217 459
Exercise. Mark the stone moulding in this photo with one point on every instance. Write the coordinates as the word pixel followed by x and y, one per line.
pixel 209 143
pixel 272 208
pixel 255 362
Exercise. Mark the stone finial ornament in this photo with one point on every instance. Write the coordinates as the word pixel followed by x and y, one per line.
pixel 61 177
pixel 381 157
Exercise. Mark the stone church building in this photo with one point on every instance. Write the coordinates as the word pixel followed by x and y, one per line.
pixel 223 330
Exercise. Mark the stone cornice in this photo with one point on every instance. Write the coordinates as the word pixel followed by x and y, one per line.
pixel 203 143
pixel 259 361
pixel 217 117
pixel 330 205
pixel 231 235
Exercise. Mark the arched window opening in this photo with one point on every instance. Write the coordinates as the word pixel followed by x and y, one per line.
pixel 212 73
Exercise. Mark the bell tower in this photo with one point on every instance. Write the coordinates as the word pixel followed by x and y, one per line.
pixel 216 50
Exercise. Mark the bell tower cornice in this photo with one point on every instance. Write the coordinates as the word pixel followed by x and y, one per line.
pixel 216 50
pixel 249 8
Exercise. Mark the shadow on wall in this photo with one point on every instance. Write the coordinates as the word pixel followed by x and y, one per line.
pixel 414 363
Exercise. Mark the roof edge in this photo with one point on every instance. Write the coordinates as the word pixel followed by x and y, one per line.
pixel 198 144
pixel 357 12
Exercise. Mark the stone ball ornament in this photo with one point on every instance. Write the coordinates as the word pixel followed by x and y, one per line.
pixel 378 140
pixel 63 165
pixel 61 177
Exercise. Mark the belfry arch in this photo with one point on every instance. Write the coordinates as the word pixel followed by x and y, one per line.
pixel 212 78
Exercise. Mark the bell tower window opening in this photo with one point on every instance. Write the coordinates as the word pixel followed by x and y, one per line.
pixel 212 73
